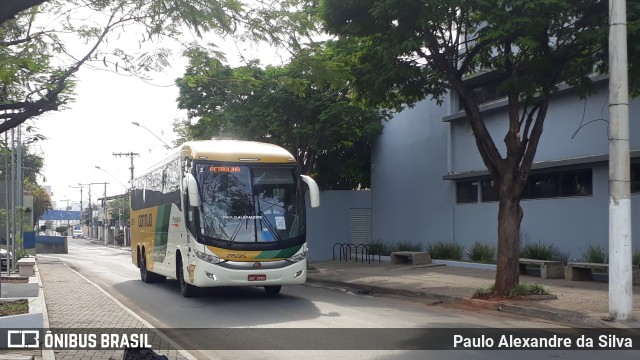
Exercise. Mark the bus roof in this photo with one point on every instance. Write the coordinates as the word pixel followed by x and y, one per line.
pixel 236 151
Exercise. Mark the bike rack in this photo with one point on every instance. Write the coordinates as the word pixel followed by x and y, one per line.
pixel 346 250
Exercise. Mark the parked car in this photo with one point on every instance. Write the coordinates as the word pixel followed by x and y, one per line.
pixel 3 258
pixel 77 234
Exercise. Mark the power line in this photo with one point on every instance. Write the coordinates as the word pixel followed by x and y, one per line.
pixel 130 155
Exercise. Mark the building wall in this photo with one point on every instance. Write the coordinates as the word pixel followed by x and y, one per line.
pixel 411 201
pixel 329 223
pixel 573 128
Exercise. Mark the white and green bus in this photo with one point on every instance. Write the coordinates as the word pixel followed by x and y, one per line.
pixel 222 213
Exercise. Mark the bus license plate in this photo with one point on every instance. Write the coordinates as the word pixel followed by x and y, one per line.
pixel 257 277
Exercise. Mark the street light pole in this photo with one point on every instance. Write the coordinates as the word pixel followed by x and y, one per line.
pixel 167 146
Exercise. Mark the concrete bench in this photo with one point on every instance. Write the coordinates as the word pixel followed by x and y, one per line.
pixel 549 269
pixel 582 271
pixel 410 257
pixel 26 266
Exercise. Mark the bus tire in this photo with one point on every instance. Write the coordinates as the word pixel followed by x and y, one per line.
pixel 145 275
pixel 272 290
pixel 186 289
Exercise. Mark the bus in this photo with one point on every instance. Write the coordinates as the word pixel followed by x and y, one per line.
pixel 222 213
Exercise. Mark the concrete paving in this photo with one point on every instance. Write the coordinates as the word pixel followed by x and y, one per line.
pixel 580 303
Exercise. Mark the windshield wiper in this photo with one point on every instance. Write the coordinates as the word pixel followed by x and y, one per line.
pixel 237 230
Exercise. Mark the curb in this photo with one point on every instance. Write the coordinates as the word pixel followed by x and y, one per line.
pixel 46 354
pixel 373 289
pixel 544 314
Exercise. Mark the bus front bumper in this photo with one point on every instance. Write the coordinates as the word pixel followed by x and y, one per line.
pixel 204 274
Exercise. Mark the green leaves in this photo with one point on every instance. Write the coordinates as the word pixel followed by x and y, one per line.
pixel 304 106
pixel 48 41
pixel 408 50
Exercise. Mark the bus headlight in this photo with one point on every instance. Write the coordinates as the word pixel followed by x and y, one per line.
pixel 208 258
pixel 298 257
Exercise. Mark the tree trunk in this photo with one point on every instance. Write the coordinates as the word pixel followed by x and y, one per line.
pixel 509 219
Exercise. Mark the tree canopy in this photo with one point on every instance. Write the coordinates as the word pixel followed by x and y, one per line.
pixel 304 106
pixel 43 43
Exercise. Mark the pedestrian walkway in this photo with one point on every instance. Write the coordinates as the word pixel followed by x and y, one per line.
pixel 73 302
pixel 581 303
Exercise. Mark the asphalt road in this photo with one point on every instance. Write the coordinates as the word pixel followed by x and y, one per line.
pixel 323 316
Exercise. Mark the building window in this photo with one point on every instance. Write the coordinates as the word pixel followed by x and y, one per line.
pixel 487 92
pixel 467 192
pixel 540 186
pixel 559 184
pixel 576 183
pixel 489 190
pixel 635 177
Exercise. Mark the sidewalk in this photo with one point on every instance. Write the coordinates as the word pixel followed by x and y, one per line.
pixel 579 303
pixel 73 302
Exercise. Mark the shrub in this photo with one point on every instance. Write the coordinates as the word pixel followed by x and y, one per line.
pixel 563 256
pixel 526 289
pixel 635 260
pixel 62 230
pixel 482 253
pixel 539 251
pixel 408 246
pixel 380 247
pixel 445 250
pixel 595 254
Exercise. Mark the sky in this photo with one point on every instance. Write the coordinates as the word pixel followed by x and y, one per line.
pixel 99 124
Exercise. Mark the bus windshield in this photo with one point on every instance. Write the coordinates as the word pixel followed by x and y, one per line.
pixel 250 204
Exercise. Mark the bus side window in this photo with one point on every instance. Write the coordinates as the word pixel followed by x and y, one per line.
pixel 191 218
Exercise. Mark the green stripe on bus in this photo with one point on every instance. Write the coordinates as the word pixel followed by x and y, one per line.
pixel 277 254
pixel 161 232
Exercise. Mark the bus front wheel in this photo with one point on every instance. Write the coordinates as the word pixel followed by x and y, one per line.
pixel 186 289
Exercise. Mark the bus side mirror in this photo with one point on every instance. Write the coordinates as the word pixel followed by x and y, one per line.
pixel 314 192
pixel 192 191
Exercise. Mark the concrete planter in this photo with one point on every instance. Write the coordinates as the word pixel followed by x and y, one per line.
pixel 29 291
pixel 465 264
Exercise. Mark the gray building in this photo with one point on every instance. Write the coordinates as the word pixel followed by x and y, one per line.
pixel 429 183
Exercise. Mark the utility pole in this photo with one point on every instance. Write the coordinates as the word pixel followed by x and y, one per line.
pixel 130 155
pixel 66 209
pixel 104 208
pixel 620 271
pixel 12 233
pixel 7 185
pixel 81 208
